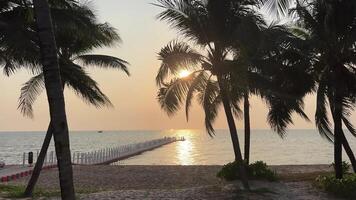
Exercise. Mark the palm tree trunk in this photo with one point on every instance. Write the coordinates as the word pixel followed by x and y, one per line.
pixel 55 97
pixel 233 133
pixel 348 151
pixel 247 128
pixel 39 163
pixel 336 111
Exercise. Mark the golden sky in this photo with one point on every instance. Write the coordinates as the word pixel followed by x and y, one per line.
pixel 134 97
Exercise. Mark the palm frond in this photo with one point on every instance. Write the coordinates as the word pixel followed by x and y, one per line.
pixel 175 57
pixel 321 119
pixel 171 95
pixel 277 8
pixel 104 61
pixel 279 116
pixel 197 85
pixel 190 18
pixel 209 98
pixel 29 92
pixel 347 110
pixel 84 86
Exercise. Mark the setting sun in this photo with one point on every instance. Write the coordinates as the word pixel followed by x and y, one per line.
pixel 184 73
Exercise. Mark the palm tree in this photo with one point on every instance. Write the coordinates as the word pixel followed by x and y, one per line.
pixel 74 38
pixel 55 97
pixel 330 28
pixel 211 25
pixel 270 76
pixel 77 33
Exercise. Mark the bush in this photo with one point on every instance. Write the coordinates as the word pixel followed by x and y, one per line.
pixel 345 167
pixel 257 170
pixel 260 170
pixel 229 171
pixel 345 187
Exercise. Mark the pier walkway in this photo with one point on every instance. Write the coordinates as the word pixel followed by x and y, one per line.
pixel 100 157
pixel 112 155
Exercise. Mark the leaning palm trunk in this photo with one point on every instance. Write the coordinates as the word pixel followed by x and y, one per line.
pixel 39 163
pixel 55 97
pixel 233 133
pixel 247 128
pixel 348 151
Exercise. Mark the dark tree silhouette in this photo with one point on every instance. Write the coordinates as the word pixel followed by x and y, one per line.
pixel 55 97
pixel 330 37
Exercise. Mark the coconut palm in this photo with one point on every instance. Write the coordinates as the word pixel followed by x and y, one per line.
pixel 211 25
pixel 55 97
pixel 77 34
pixel 273 76
pixel 331 35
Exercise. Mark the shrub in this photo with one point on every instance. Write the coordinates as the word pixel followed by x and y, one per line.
pixel 260 170
pixel 257 170
pixel 229 171
pixel 345 187
pixel 345 167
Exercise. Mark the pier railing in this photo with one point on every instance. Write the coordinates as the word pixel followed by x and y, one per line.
pixel 50 158
pixel 111 155
pixel 106 155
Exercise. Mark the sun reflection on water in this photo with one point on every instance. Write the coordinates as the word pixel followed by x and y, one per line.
pixel 185 148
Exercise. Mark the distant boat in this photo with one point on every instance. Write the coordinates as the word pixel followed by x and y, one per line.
pixel 100 131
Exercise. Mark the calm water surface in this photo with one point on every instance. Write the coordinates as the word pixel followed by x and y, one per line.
pixel 298 147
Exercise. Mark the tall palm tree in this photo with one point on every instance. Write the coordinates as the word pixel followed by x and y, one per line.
pixel 331 35
pixel 77 33
pixel 55 97
pixel 272 76
pixel 211 25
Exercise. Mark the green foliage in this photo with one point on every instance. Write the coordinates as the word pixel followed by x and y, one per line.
pixel 260 170
pixel 345 187
pixel 345 167
pixel 229 171
pixel 17 191
pixel 257 170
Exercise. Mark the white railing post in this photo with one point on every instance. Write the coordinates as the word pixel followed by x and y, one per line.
pixel 23 159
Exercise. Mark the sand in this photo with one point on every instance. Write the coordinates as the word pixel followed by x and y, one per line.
pixel 184 182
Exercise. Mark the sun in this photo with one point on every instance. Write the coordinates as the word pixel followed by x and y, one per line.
pixel 184 73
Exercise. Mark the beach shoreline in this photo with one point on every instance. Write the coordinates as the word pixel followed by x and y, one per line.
pixel 181 182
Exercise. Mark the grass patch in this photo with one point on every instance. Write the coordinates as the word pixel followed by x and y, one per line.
pixel 11 191
pixel 16 191
pixel 345 187
pixel 257 170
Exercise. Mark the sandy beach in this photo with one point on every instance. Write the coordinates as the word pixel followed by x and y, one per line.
pixel 184 182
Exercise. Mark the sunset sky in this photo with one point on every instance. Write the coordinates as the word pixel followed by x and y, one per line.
pixel 134 97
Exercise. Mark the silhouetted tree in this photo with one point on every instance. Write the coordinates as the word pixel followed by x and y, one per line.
pixel 77 32
pixel 211 25
pixel 331 37
pixel 55 96
pixel 264 59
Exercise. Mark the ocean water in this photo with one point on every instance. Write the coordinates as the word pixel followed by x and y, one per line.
pixel 298 146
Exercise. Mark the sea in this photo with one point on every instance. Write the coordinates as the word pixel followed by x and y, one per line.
pixel 296 147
